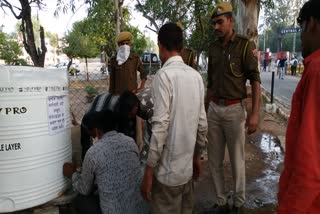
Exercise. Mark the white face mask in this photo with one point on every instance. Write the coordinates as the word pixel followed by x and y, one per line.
pixel 123 54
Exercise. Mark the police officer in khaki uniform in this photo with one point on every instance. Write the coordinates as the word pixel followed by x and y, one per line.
pixel 188 55
pixel 232 61
pixel 124 67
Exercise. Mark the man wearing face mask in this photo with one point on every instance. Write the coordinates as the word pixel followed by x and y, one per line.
pixel 124 67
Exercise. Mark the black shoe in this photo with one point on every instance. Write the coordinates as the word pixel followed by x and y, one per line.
pixel 237 210
pixel 220 209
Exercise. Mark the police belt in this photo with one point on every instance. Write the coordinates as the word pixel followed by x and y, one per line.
pixel 225 102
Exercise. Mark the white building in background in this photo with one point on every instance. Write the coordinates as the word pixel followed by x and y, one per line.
pixel 52 57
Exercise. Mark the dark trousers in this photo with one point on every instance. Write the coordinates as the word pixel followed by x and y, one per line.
pixel 84 204
pixel 85 142
pixel 293 70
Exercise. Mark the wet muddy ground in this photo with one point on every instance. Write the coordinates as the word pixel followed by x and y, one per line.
pixel 264 159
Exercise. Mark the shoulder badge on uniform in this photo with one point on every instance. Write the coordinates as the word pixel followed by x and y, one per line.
pixel 242 36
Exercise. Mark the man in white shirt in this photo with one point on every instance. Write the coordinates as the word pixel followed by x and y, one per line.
pixel 293 64
pixel 179 129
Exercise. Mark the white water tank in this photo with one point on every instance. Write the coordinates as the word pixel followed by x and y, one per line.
pixel 35 136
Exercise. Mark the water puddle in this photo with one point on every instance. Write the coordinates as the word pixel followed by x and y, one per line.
pixel 264 190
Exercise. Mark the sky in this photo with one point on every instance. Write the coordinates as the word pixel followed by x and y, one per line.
pixel 64 22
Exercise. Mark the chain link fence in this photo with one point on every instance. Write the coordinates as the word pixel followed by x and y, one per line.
pixel 93 80
pixel 90 80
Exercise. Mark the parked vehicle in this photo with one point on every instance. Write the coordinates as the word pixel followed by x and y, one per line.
pixel 73 70
pixel 151 62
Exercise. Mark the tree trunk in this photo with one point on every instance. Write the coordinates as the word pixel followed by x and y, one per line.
pixel 247 16
pixel 37 56
pixel 87 71
pixel 42 52
pixel 151 19
pixel 117 17
pixel 122 21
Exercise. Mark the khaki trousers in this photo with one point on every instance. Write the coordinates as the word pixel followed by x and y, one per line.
pixel 172 199
pixel 226 127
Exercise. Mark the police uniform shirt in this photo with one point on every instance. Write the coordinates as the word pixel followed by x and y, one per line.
pixel 124 77
pixel 230 67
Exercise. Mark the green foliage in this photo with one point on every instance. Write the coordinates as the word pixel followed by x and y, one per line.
pixel 201 30
pixel 91 90
pixel 21 62
pixel 160 12
pixel 99 27
pixel 36 26
pixel 139 40
pixel 81 42
pixel 53 38
pixel 101 16
pixel 272 40
pixel 10 50
pixel 268 4
pixel 194 15
pixel 281 15
pixel 101 19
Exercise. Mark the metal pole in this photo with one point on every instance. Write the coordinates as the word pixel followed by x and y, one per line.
pixel 272 86
pixel 294 39
pixel 264 40
pixel 150 53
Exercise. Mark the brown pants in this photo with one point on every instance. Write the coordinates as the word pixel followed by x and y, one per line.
pixel 172 199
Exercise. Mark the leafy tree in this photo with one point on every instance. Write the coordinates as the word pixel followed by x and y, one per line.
pixel 115 13
pixel 80 43
pixel 283 15
pixel 272 40
pixel 10 50
pixel 193 15
pixel 201 29
pixel 22 11
pixel 139 42
pixel 53 37
pixel 160 12
pixel 100 24
pixel 101 17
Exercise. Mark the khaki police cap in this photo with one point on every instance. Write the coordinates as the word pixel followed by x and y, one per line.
pixel 124 36
pixel 222 8
pixel 179 24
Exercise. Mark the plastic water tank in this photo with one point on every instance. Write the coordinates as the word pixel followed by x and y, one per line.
pixel 35 136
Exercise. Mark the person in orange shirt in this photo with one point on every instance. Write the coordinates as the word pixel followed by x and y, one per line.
pixel 299 189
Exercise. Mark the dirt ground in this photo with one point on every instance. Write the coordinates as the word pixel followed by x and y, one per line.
pixel 264 158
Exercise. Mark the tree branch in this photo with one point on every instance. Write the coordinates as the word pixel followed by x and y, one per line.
pixel 8 5
pixel 185 12
pixel 43 47
pixel 25 44
pixel 151 19
pixel 177 8
pixel 152 29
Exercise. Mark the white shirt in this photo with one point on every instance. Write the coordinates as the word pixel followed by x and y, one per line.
pixel 179 122
pixel 292 61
